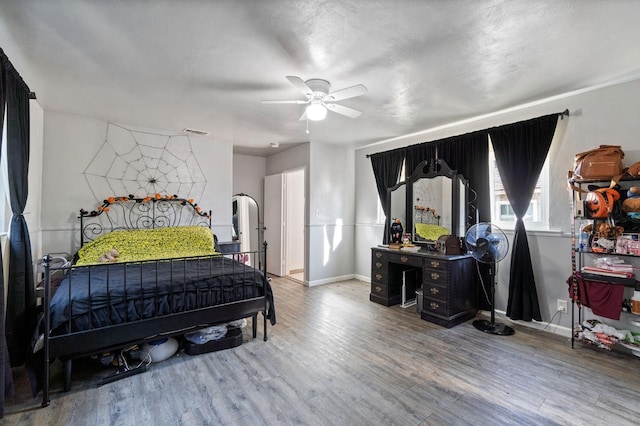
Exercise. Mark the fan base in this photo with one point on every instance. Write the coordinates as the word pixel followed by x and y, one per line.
pixel 493 328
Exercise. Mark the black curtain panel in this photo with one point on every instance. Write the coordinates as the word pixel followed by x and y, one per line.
pixel 21 300
pixel 6 378
pixel 386 169
pixel 416 154
pixel 521 149
pixel 469 155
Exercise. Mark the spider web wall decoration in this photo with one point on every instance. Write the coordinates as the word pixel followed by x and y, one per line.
pixel 132 162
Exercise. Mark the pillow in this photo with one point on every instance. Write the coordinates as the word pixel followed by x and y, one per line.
pixel 149 244
pixel 431 232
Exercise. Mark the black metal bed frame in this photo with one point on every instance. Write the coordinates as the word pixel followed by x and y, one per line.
pixel 132 212
pixel 139 213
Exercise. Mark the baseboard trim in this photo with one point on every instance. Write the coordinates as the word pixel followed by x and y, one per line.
pixel 331 280
pixel 536 325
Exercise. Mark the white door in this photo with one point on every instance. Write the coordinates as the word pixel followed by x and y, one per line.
pixel 274 223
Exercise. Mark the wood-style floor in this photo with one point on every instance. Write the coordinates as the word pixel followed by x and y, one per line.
pixel 335 358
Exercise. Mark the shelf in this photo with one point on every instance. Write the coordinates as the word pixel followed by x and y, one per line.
pixel 613 253
pixel 629 282
pixel 582 254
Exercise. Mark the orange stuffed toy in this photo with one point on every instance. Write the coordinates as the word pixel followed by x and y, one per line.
pixel 631 205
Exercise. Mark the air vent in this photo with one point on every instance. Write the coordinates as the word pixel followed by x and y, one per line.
pixel 195 132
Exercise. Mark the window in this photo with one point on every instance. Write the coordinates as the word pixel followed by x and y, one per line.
pixel 380 217
pixel 537 216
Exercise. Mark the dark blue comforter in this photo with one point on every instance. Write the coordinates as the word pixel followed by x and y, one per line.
pixel 101 295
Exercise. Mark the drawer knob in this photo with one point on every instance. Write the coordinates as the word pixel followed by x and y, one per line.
pixel 434 290
pixel 378 276
pixel 378 264
pixel 435 263
pixel 404 259
pixel 378 255
pixel 435 276
pixel 434 305
pixel 378 289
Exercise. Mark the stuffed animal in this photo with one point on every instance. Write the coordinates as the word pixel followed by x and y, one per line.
pixel 604 230
pixel 631 205
pixel 634 169
pixel 109 257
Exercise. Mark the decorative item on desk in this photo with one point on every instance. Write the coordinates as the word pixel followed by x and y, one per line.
pixel 410 248
pixel 396 231
pixel 449 245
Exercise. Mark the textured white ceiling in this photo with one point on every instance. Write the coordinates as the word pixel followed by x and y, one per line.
pixel 207 64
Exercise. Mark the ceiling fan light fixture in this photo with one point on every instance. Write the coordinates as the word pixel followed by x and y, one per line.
pixel 316 111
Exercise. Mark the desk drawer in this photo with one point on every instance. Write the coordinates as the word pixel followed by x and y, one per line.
pixel 378 265
pixel 405 259
pixel 435 276
pixel 379 277
pixel 436 263
pixel 434 306
pixel 380 290
pixel 434 291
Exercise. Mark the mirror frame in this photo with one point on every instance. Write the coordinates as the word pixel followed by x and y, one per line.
pixel 430 169
pixel 390 191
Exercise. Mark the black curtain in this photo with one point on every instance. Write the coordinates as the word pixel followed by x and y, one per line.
pixel 415 154
pixel 521 149
pixel 21 301
pixel 386 169
pixel 6 378
pixel 469 155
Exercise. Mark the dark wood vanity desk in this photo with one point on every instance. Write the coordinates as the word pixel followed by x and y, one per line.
pixel 447 282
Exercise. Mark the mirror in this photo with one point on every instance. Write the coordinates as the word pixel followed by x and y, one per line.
pixel 398 203
pixel 438 202
pixel 246 229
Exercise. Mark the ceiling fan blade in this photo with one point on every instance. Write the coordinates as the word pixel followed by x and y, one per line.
pixel 285 102
pixel 341 109
pixel 349 92
pixel 300 85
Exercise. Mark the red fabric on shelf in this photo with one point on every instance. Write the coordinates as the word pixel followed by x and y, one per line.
pixel 604 299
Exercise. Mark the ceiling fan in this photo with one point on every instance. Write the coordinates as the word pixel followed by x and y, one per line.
pixel 319 100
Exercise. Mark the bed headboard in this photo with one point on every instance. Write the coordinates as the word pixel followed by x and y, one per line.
pixel 131 212
pixel 424 214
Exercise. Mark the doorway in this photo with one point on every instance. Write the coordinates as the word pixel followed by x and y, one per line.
pixel 284 220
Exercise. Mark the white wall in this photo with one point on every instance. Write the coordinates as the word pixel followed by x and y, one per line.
pixel 603 116
pixel 72 141
pixel 331 228
pixel 248 177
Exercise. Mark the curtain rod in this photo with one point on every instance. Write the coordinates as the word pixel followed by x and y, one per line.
pixel 561 114
pixel 8 66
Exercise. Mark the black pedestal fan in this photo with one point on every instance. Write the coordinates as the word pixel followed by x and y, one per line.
pixel 487 243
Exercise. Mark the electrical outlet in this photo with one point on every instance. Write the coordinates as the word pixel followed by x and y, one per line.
pixel 562 305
